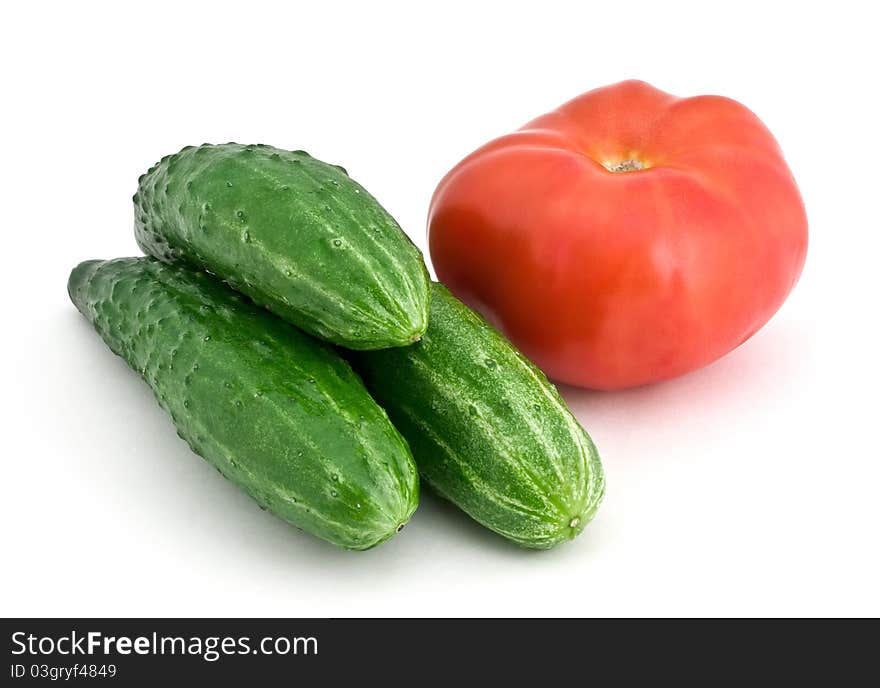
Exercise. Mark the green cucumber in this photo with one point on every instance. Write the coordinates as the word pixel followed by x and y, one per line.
pixel 488 431
pixel 297 235
pixel 277 412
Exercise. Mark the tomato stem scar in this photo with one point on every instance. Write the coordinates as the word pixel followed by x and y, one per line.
pixel 631 165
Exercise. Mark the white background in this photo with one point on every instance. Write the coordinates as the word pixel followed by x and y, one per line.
pixel 748 488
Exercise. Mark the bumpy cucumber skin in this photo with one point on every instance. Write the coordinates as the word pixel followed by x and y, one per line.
pixel 297 235
pixel 277 412
pixel 488 431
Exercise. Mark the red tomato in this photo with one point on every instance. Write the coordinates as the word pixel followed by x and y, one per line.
pixel 627 237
